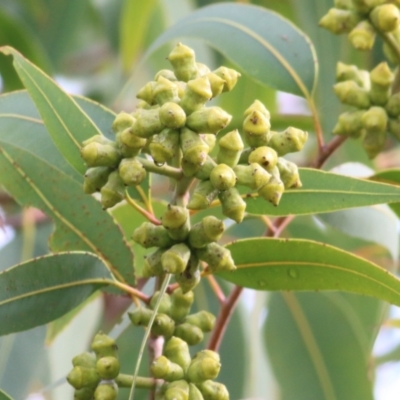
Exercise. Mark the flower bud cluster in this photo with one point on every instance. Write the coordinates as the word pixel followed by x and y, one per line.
pixel 173 318
pixel 362 20
pixel 92 375
pixel 378 109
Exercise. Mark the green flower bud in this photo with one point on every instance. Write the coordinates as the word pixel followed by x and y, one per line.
pixel 146 92
pixel 106 391
pixel 177 351
pixel 86 393
pixel 205 170
pixel 150 235
pixel 230 148
pixel 388 51
pixel 208 119
pixel 244 156
pixel 272 191
pixel 203 320
pixel 202 369
pixel 194 393
pixel 189 169
pixel 217 257
pixel 259 107
pixel 256 124
pixel 140 316
pixel 165 91
pixel 194 149
pixel 343 4
pixel 196 94
pixel 210 139
pixel 147 123
pixel 172 115
pixel 104 346
pixel 191 334
pixel 339 21
pixel 365 6
pixel 182 59
pixel 288 141
pixel 128 144
pixel 350 124
pixel 122 121
pixel 267 156
pixel 202 69
pixel 252 176
pixel 216 82
pixel 100 155
pixel 393 105
pixel 203 195
pixel 152 264
pixel 131 171
pixel 163 368
pixel 230 76
pixel 394 127
pixel 165 145
pixel 95 179
pixel 175 259
pixel 163 326
pixel 385 17
pixel 177 222
pixel 189 278
pixel 100 139
pixel 362 37
pixel 350 93
pixel 177 390
pixel 165 303
pixel 167 74
pixel 108 367
pixel 375 120
pixel 80 377
pixel 113 191
pixel 374 142
pixel 233 206
pixel 213 390
pixel 289 173
pixel 87 360
pixel 346 72
pixel 209 229
pixel 223 177
pixel 208 354
pixel 180 304
pixel 381 81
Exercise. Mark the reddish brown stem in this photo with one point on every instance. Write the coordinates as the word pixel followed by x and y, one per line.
pixel 328 150
pixel 216 289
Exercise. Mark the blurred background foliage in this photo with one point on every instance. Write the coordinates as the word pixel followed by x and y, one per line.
pixel 96 48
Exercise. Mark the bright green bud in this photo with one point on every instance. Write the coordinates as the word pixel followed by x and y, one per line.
pixel 122 121
pixel 381 82
pixel 172 115
pixel 177 351
pixel 163 325
pixel 205 170
pixel 106 391
pixel 177 222
pixel 108 367
pixel 152 264
pixel 216 82
pixel 233 206
pixel 259 107
pixel 272 191
pixel 180 304
pixel 147 123
pixel 223 177
pixel 167 74
pixel 131 171
pixel 95 179
pixel 375 120
pixel 190 278
pixel 113 191
pixel 230 148
pixel 393 105
pixel 100 139
pixel 374 142
pixel 146 92
pixel 202 196
pixel 256 124
pixel 196 94
pixel 182 59
pixel 104 346
pixel 350 93
pixel 140 316
pixel 86 393
pixel 191 334
pixel 289 173
pixel 230 76
pixel 252 176
pixel 165 303
pixel 150 235
pixel 267 156
pixel 288 141
pixel 165 145
pixel 177 390
pixel 203 320
pixel 175 259
pixel 129 144
pixel 385 17
pixel 213 390
pixel 350 124
pixel 80 377
pixel 87 360
pixel 339 21
pixel 165 91
pixel 208 354
pixel 209 229
pixel 194 149
pixel 394 127
pixel 202 369
pixel 163 368
pixel 346 72
pixel 100 155
pixel 210 139
pixel 194 393
pixel 217 257
pixel 362 37
pixel 208 119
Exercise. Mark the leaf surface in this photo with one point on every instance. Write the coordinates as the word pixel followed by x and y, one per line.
pixel 4 396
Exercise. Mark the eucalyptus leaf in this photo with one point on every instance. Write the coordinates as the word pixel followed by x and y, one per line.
pixel 4 396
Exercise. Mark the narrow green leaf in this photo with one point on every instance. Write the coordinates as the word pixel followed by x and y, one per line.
pixel 324 192
pixel 388 176
pixel 66 122
pixel 4 396
pixel 43 289
pixel 260 42
pixel 293 264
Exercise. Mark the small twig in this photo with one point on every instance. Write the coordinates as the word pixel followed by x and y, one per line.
pixel 317 124
pixel 132 291
pixel 141 210
pixel 125 381
pixel 328 150
pixel 165 170
pixel 181 194
pixel 284 223
pixel 216 289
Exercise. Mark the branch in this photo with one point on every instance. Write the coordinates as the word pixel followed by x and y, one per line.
pixel 328 150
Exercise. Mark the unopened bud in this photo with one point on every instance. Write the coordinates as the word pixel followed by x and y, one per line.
pixel 204 171
pixel 385 17
pixel 150 235
pixel 289 173
pixel 146 92
pixel 202 196
pixel 346 72
pixel 339 21
pixel 177 222
pixel 122 121
pixel 167 74
pixel 202 69
pixel 267 157
pixel 104 346
pixel 177 351
pixel 196 94
pixel 213 390
pixel 202 369
pixel 175 259
pixel 163 368
pixel 165 302
pixel 95 179
pixel 272 191
pixel 381 82
pixel 86 393
pixel 131 171
pixel 152 264
pixel 177 390
pixel 203 320
pixel 80 377
pixel 252 176
pixel 394 127
pixel 350 93
pixel 350 124
pixel 165 145
pixel 217 257
pixel 87 360
pixel 189 278
pixel 375 120
pixel 393 105
pixel 210 139
pixel 216 82
pixel 230 148
pixel 229 75
pixel 362 37
pixel 147 123
pixel 223 177
pixel 165 91
pixel 172 115
pixel 182 59
pixel 191 334
pixel 233 206
pixel 194 149
pixel 288 141
pixel 100 155
pixel 194 393
pixel 180 304
pixel 108 367
pixel 209 229
pixel 208 119
pixel 106 391
pixel 374 142
pixel 113 191
pixel 140 316
pixel 259 107
pixel 163 325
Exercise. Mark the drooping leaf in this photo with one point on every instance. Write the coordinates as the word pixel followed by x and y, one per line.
pixel 260 42
pixel 293 264
pixel 4 396
pixel 47 287
pixel 324 192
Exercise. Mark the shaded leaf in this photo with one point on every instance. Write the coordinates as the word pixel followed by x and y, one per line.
pixel 4 396
pixel 47 287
